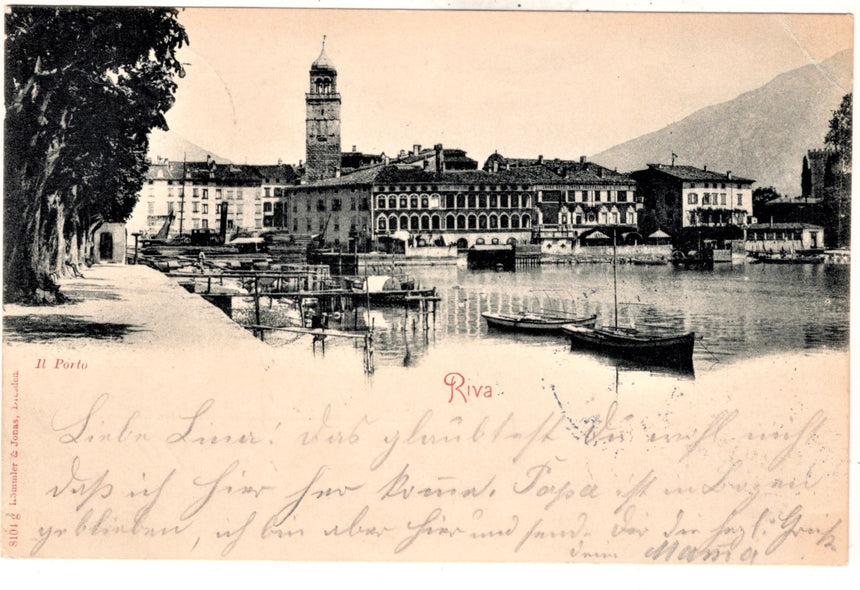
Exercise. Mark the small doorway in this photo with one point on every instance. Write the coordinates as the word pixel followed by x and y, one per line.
pixel 106 246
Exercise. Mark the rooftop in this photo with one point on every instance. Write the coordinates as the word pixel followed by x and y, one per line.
pixel 696 174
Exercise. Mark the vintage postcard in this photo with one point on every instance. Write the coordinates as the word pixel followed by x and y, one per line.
pixel 426 286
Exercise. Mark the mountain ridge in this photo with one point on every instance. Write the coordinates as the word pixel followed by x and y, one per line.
pixel 761 134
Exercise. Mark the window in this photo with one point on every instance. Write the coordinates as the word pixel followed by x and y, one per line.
pixel 309 225
pixel 403 202
pixel 150 208
pixel 205 193
pixel 239 209
pixel 335 205
pixel 194 192
pixel 257 208
pixel 494 201
pixel 205 207
pixel 503 201
pixel 266 191
pixel 413 202
pixel 597 196
pixel 425 202
pixel 169 207
pixel 204 223
pixel 170 191
pixel 195 207
pixel 195 223
pixel 722 198
pixel 380 224
pixel 615 217
pixel 217 193
pixel 622 196
pixel 461 201
pixel 740 200
pixel 229 194
pixel 449 201
pixel 352 203
pixel 578 219
pixel 471 201
pixel 380 202
pixel 320 205
pixel 482 201
pixel 336 225
pixel 364 204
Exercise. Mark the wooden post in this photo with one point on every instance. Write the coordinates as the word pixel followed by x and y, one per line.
pixel 257 299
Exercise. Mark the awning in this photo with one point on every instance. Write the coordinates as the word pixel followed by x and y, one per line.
pixel 402 235
pixel 596 235
pixel 659 234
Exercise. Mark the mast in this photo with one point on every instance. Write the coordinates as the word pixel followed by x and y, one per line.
pixel 182 194
pixel 615 277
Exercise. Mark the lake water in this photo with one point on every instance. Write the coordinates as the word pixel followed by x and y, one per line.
pixel 738 312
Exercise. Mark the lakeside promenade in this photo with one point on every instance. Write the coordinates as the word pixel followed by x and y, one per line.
pixel 132 307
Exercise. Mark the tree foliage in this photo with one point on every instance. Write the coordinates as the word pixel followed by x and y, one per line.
pixel 839 135
pixel 84 87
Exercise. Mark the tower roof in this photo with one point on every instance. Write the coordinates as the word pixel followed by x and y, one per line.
pixel 323 62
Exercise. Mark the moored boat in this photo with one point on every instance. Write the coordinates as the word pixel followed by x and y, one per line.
pixel 674 350
pixel 535 322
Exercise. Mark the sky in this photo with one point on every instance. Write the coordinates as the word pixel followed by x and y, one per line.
pixel 523 83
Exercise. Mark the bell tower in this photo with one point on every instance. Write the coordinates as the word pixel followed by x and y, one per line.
pixel 322 121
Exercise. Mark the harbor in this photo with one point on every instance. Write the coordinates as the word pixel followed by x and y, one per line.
pixel 304 309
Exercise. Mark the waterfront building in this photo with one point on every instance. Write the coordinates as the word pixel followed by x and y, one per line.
pixel 678 198
pixel 577 202
pixel 444 206
pixel 827 179
pixel 274 179
pixel 191 195
pixel 784 237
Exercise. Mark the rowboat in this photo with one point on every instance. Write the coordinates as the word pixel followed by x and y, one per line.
pixel 674 350
pixel 535 322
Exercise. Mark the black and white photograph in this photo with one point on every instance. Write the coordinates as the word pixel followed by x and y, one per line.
pixel 460 284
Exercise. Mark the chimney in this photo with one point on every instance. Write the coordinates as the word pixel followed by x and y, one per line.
pixel 385 159
pixel 705 167
pixel 495 165
pixel 440 158
pixel 600 171
pixel 416 148
pixel 280 161
pixel 582 159
pixel 508 166
pixel 426 163
pixel 540 159
pixel 729 175
pixel 353 149
pixel 402 154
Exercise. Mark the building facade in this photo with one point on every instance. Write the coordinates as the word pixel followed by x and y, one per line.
pixel 678 197
pixel 786 238
pixel 181 196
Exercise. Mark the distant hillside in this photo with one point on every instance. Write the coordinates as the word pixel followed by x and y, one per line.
pixel 762 134
pixel 170 145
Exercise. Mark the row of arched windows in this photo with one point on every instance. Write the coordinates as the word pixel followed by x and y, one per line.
pixel 452 201
pixel 426 222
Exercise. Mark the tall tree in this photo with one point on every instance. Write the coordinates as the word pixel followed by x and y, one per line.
pixel 84 87
pixel 839 135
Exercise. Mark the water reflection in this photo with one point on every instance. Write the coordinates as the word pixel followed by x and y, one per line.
pixel 737 312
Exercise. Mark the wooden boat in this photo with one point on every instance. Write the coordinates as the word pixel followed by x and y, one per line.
pixel 777 259
pixel 674 351
pixel 535 322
